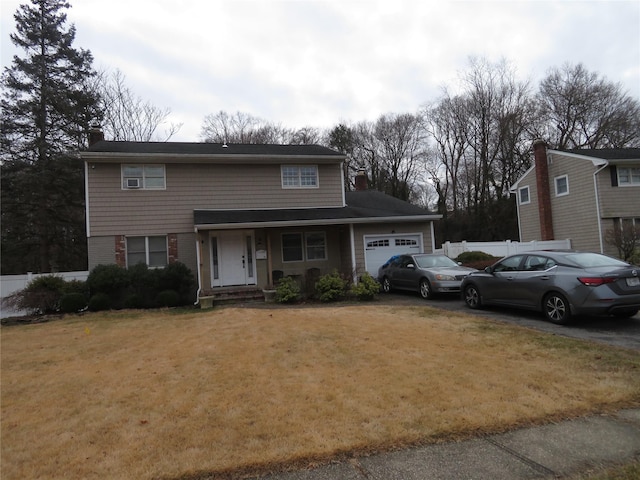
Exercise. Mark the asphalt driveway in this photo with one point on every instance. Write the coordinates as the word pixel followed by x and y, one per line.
pixel 623 333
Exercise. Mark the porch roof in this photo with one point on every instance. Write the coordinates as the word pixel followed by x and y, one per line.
pixel 366 206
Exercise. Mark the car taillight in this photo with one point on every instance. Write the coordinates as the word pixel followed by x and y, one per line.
pixel 596 281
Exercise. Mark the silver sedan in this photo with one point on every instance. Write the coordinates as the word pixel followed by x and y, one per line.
pixel 424 273
pixel 560 284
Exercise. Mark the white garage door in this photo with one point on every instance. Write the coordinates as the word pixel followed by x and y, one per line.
pixel 379 248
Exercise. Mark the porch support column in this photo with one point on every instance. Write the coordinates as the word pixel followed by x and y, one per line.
pixel 269 261
pixel 353 254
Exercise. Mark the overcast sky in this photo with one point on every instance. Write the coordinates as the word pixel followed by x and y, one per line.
pixel 317 63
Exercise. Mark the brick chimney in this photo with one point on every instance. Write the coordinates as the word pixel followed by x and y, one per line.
pixel 95 134
pixel 361 180
pixel 544 191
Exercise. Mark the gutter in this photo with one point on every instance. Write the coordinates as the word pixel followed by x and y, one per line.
pixel 323 221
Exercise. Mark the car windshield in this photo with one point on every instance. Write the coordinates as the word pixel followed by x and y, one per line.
pixel 430 261
pixel 587 260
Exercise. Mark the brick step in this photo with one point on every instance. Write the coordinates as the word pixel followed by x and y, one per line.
pixel 230 295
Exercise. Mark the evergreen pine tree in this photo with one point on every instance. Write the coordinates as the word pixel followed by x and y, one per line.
pixel 47 106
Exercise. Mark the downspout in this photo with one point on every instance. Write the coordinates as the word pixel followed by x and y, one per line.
pixel 344 195
pixel 198 257
pixel 353 254
pixel 86 198
pixel 433 238
pixel 517 195
pixel 595 188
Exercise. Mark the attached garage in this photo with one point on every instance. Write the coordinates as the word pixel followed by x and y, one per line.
pixel 379 248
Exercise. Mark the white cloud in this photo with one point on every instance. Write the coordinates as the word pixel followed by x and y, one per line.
pixel 308 62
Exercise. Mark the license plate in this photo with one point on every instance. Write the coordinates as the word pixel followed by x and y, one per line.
pixel 633 282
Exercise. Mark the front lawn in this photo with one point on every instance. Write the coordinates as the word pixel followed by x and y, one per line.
pixel 157 394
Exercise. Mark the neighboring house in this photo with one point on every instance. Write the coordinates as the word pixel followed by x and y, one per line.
pixel 578 194
pixel 241 214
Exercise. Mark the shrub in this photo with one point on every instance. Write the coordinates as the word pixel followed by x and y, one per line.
pixel 331 287
pixel 477 260
pixel 177 276
pixel 112 280
pixel 287 291
pixel 366 288
pixel 99 301
pixel 168 298
pixel 41 295
pixel 134 300
pixel 76 286
pixel 143 287
pixel 73 302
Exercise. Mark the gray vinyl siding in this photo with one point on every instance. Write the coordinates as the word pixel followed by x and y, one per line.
pixel 575 215
pixel 199 186
pixel 187 251
pixel 529 213
pixel 331 263
pixel 360 231
pixel 101 251
pixel 617 202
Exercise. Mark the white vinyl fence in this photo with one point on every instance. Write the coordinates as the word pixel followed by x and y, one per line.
pixel 500 249
pixel 13 283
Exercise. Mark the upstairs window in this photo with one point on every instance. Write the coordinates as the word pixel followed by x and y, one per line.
pixel 145 177
pixel 628 176
pixel 524 196
pixel 149 250
pixel 562 185
pixel 299 176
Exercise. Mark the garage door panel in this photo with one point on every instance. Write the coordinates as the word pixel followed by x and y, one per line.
pixel 379 248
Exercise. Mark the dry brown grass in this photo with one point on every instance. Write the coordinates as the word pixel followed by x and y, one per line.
pixel 148 395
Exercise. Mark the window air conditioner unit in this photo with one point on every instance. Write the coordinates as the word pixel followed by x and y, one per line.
pixel 133 183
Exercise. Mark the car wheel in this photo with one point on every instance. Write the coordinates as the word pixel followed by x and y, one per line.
pixel 556 308
pixel 472 297
pixel 386 285
pixel 425 289
pixel 625 314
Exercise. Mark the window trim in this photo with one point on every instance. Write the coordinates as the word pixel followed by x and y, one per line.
pixel 555 182
pixel 143 178
pixel 147 251
pixel 324 246
pixel 303 239
pixel 630 183
pixel 299 183
pixel 524 189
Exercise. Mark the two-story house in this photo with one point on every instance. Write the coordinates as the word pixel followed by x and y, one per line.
pixel 241 215
pixel 578 194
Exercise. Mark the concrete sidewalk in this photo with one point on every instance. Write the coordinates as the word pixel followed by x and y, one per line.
pixel 551 451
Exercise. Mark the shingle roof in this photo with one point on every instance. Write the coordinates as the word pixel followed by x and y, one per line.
pixel 606 153
pixel 193 148
pixel 362 206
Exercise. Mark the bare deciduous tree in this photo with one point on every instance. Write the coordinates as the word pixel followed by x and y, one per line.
pixel 625 237
pixel 127 116
pixel 241 127
pixel 580 109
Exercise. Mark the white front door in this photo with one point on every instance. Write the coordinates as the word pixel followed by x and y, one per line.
pixel 232 259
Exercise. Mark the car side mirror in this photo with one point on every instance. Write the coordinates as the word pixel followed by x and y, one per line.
pixel 410 265
pixel 488 269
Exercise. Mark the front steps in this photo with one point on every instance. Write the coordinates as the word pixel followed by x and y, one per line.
pixel 230 295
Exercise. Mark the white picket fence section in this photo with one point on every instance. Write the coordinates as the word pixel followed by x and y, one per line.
pixel 12 283
pixel 500 249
